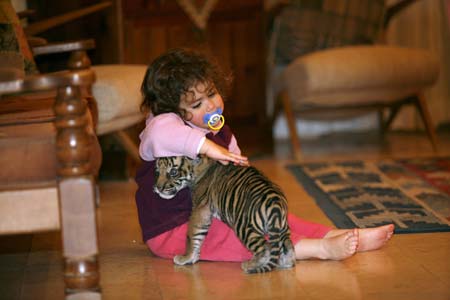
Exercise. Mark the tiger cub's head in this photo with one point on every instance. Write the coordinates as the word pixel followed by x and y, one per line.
pixel 172 174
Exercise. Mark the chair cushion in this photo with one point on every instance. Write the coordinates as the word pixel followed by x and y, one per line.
pixel 358 74
pixel 117 90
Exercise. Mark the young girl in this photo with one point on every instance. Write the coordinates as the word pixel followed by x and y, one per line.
pixel 182 90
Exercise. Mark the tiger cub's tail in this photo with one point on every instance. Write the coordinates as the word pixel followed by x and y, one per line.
pixel 277 252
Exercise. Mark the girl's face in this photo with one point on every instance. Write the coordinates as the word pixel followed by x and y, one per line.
pixel 201 99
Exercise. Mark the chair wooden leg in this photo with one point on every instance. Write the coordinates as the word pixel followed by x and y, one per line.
pixel 276 109
pixel 392 114
pixel 124 139
pixel 380 115
pixel 421 105
pixel 290 118
pixel 79 232
pixel 77 196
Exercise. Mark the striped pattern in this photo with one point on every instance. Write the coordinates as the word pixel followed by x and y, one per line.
pixel 242 197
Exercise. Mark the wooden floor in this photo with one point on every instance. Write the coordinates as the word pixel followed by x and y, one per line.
pixel 411 266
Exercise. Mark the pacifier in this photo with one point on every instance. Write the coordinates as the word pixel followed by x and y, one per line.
pixel 215 120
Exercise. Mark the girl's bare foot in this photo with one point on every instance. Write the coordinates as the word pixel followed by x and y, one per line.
pixel 374 238
pixel 369 238
pixel 340 246
pixel 337 247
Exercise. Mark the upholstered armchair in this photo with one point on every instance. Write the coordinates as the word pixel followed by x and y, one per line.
pixel 327 61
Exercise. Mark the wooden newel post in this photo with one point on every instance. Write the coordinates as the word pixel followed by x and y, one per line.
pixel 76 189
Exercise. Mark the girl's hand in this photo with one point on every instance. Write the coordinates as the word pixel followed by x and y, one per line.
pixel 221 154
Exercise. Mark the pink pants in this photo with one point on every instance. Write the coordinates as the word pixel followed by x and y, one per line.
pixel 222 244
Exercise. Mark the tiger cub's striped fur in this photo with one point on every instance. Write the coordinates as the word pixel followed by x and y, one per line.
pixel 242 197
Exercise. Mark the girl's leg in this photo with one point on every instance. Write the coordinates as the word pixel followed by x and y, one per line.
pixel 313 240
pixel 309 242
pixel 169 243
pixel 221 244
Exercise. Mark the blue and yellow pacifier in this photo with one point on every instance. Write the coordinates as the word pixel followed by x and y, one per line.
pixel 215 120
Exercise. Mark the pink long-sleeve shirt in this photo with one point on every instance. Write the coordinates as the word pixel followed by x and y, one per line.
pixel 169 135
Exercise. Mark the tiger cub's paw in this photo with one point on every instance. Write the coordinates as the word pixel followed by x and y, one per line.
pixel 182 260
pixel 287 255
pixel 286 260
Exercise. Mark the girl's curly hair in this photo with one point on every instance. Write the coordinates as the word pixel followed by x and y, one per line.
pixel 172 74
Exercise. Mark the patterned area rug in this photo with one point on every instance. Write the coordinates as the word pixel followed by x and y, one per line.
pixel 414 194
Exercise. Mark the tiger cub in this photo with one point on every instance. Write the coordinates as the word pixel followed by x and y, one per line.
pixel 242 197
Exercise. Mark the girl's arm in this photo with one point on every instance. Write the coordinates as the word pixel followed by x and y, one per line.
pixel 221 154
pixel 168 135
pixel 233 154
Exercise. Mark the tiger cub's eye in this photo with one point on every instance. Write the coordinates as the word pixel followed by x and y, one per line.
pixel 173 172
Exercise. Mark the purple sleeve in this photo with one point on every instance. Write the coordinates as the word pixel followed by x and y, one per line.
pixel 168 135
